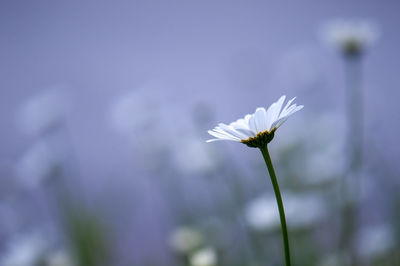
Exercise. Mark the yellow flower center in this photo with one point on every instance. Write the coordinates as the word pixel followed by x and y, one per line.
pixel 261 140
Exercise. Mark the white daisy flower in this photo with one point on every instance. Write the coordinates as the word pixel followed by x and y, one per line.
pixel 352 37
pixel 256 130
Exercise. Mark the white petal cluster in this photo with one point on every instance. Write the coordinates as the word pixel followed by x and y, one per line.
pixel 259 122
pixel 204 257
pixel 342 33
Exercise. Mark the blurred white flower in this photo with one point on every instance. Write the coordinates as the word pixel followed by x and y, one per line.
pixel 192 156
pixel 257 129
pixel 303 210
pixel 321 148
pixel 60 258
pixel 39 163
pixel 261 214
pixel 375 241
pixel 134 112
pixel 350 36
pixel 325 153
pixel 43 112
pixel 335 259
pixel 185 239
pixel 25 250
pixel 204 257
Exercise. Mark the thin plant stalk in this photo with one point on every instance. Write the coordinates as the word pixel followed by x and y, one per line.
pixel 351 180
pixel 354 112
pixel 267 158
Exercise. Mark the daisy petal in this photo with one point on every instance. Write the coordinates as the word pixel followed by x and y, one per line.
pixel 212 140
pixel 246 132
pixel 297 108
pixel 222 135
pixel 252 124
pixel 260 119
pixel 232 131
pixel 278 107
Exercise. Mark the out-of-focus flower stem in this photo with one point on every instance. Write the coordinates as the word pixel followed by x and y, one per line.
pixel 267 158
pixel 355 117
pixel 351 182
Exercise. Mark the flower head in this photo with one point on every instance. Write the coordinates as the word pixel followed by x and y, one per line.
pixel 256 130
pixel 351 37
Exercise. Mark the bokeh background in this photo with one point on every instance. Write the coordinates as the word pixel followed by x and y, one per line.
pixel 105 107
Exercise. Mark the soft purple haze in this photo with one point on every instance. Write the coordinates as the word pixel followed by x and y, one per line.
pixel 232 55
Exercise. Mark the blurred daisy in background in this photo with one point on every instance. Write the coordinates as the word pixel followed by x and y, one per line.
pixel 204 257
pixel 193 157
pixel 303 210
pixel 186 239
pixel 38 164
pixel 375 241
pixel 43 112
pixel 335 259
pixel 25 250
pixel 136 112
pixel 351 37
pixel 261 214
pixel 317 149
pixel 60 258
pixel 139 116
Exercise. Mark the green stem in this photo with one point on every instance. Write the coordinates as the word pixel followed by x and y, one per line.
pixel 267 158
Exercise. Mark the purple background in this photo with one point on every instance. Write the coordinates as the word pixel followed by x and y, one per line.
pixel 232 55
